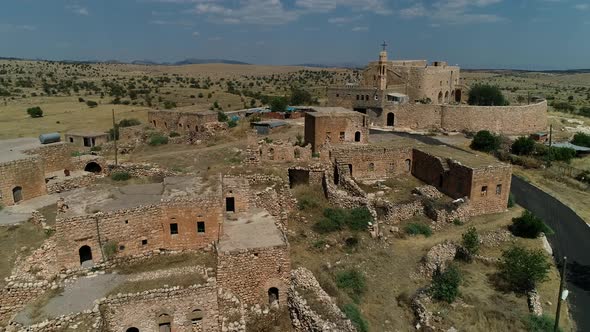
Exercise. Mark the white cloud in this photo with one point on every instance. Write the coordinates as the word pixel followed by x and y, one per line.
pixel 320 6
pixel 77 9
pixel 360 29
pixel 344 20
pixel 167 22
pixel 454 11
pixel 8 27
pixel 196 33
pixel 582 6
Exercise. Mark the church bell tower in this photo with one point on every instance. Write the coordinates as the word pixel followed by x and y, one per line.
pixel 383 68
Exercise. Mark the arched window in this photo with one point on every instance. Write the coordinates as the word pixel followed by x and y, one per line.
pixel 273 295
pixel 446 97
pixel 17 194
pixel 196 316
pixel 408 165
pixel 271 154
pixel 366 97
pixel 155 123
pixel 357 136
pixel 85 254
pixel 132 329
pixel 93 167
pixel 165 323
pixel 371 167
pixel 440 97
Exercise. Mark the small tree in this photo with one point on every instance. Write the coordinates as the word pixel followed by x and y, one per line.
pixel 221 117
pixel 529 226
pixel 523 146
pixel 581 139
pixel 485 141
pixel 523 269
pixel 445 285
pixel 486 95
pixel 471 241
pixel 35 112
pixel 300 97
pixel 278 104
pixel 91 103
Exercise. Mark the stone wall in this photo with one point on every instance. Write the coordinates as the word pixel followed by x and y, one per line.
pixel 335 129
pixel 138 230
pixel 56 156
pixel 305 318
pixel 374 162
pixel 15 297
pixel 27 173
pixel 79 140
pixel 70 183
pixel 180 121
pixel 281 152
pixel 495 198
pixel 251 273
pixel 176 305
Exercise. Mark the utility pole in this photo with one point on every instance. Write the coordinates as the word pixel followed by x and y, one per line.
pixel 560 296
pixel 550 135
pixel 115 134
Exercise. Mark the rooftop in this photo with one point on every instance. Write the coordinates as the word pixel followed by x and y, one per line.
pixel 13 149
pixel 254 229
pixel 469 159
pixel 107 198
pixel 86 133
pixel 332 111
pixel 193 109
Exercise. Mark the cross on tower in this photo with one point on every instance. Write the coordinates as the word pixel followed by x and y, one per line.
pixel 384 45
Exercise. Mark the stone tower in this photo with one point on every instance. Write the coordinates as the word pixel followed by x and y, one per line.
pixel 382 68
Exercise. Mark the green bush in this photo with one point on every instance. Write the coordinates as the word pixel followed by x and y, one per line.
pixel 173 134
pixel 523 146
pixel 470 241
pixel 486 95
pixel 353 313
pixel 581 139
pixel 96 148
pixel 352 282
pixel 169 104
pixel 563 106
pixel 221 117
pixel 278 104
pixel 485 141
pixel 120 176
pixel 415 229
pixel 529 226
pixel 109 249
pixel 445 285
pixel 35 112
pixel 305 203
pixel 336 219
pixel 157 139
pixel 584 177
pixel 560 154
pixel 129 122
pixel 91 103
pixel 523 269
pixel 457 222
pixel 300 97
pixel 232 123
pixel 542 323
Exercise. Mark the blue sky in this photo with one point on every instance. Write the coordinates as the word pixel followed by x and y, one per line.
pixel 529 34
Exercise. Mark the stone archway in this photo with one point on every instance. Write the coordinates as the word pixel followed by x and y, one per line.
pixel 458 95
pixel 273 295
pixel 93 167
pixel 390 119
pixel 132 329
pixel 85 253
pixel 440 97
pixel 446 97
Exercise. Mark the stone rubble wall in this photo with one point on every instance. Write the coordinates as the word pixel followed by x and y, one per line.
pixel 27 173
pixel 534 303
pixel 139 170
pixel 56 156
pixel 437 257
pixel 277 151
pixel 70 183
pixel 16 295
pixel 304 318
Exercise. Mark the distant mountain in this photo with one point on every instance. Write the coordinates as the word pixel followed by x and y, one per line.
pixel 204 61
pixel 146 62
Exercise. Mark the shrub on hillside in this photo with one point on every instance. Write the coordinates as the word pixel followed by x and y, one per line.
pixel 584 177
pixel 523 146
pixel 445 285
pixel 511 201
pixel 91 103
pixel 129 122
pixel 486 95
pixel 173 134
pixel 352 282
pixel 485 141
pixel 581 139
pixel 120 176
pixel 232 123
pixel 221 117
pixel 470 241
pixel 563 106
pixel 523 269
pixel 278 104
pixel 353 313
pixel 529 226
pixel 415 229
pixel 542 323
pixel 157 139
pixel 336 219
pixel 300 97
pixel 35 112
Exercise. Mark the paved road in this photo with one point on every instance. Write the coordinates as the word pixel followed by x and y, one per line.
pixel 571 239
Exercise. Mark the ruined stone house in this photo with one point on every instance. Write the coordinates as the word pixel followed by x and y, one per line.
pixel 181 120
pixel 334 126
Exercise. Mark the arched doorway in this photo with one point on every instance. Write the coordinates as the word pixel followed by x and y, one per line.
pixel 408 165
pixel 85 254
pixel 273 295
pixel 440 97
pixel 357 136
pixel 390 119
pixel 446 97
pixel 164 323
pixel 17 194
pixel 93 167
pixel 453 95
pixel 132 329
pixel 458 95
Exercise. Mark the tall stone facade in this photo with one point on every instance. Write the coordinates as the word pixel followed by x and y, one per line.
pixel 333 126
pixel 181 120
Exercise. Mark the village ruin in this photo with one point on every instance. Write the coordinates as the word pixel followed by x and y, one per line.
pixel 242 220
